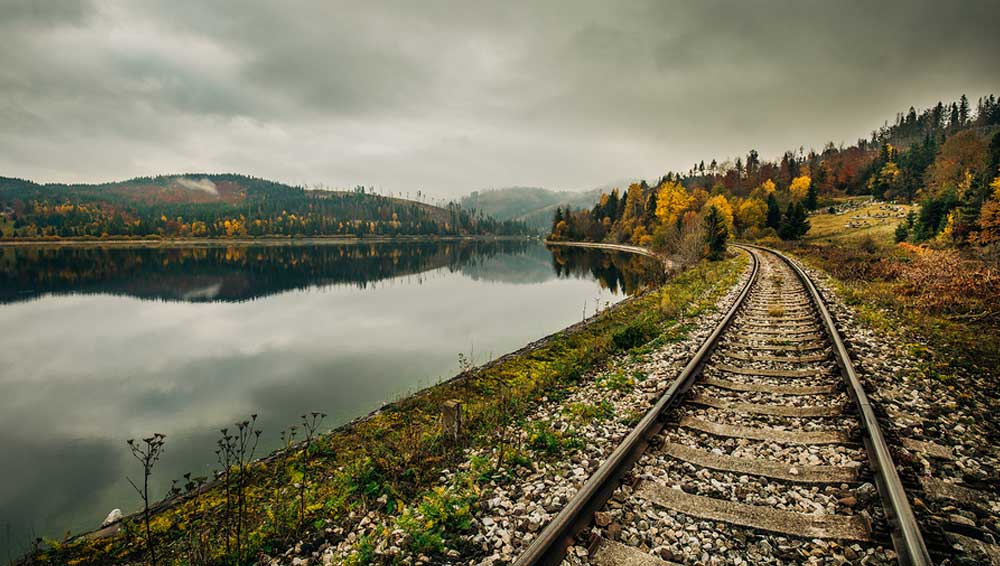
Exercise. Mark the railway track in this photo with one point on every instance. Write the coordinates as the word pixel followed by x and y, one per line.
pixel 764 449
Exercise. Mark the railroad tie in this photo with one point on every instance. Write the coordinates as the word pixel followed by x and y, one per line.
pixel 988 553
pixel 784 319
pixel 780 338
pixel 929 448
pixel 811 358
pixel 802 347
pixel 843 527
pixel 767 388
pixel 942 490
pixel 611 553
pixel 766 409
pixel 766 433
pixel 771 372
pixel 771 331
pixel 754 467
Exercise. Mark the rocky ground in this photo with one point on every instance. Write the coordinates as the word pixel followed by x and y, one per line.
pixel 562 443
pixel 632 519
pixel 959 419
pixel 938 431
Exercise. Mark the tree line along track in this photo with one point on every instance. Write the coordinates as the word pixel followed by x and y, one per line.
pixel 766 435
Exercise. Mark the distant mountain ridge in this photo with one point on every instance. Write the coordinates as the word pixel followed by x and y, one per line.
pixel 222 205
pixel 534 206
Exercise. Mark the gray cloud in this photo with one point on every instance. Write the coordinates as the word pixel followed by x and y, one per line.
pixel 446 97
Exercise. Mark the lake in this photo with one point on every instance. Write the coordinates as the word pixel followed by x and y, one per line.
pixel 103 344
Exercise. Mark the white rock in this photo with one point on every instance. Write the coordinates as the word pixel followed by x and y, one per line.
pixel 113 517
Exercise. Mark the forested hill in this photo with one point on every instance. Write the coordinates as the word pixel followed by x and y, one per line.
pixel 204 205
pixel 532 205
pixel 946 158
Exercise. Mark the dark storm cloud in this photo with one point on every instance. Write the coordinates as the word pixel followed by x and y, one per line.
pixel 446 97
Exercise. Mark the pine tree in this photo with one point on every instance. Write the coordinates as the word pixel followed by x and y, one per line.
pixel 796 224
pixel 902 233
pixel 716 234
pixel 613 209
pixel 812 196
pixel 963 111
pixel 773 212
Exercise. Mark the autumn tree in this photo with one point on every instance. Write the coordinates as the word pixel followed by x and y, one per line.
pixel 964 152
pixel 751 214
pixel 799 187
pixel 989 224
pixel 671 200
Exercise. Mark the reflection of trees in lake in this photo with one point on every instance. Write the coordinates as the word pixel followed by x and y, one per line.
pixel 615 271
pixel 244 272
pixel 530 265
pixel 227 273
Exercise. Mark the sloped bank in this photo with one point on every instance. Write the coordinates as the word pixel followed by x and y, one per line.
pixel 394 464
pixel 494 502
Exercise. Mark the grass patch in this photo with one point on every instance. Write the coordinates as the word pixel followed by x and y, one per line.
pixel 617 381
pixel 586 412
pixel 635 335
pixel 547 440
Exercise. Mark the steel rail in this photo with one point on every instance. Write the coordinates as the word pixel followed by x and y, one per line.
pixel 550 546
pixel 906 536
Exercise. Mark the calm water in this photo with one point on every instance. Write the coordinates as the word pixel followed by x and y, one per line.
pixel 104 344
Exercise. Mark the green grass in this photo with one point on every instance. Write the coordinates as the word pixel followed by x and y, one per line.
pixel 618 381
pixel 876 220
pixel 586 412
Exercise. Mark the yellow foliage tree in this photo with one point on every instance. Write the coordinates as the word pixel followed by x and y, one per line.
pixel 559 232
pixel 768 186
pixel 671 200
pixel 634 207
pixel 751 213
pixel 989 222
pixel 964 184
pixel 799 187
pixel 721 203
pixel 995 185
pixel 949 227
pixel 640 235
pixel 700 197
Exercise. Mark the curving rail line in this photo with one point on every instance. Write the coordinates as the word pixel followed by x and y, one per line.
pixel 551 544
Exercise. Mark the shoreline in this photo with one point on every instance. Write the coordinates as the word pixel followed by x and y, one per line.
pixel 668 264
pixel 263 241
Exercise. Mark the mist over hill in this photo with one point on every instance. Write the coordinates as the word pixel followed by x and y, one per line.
pixel 534 206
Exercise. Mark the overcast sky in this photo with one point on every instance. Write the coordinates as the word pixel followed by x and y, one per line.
pixel 450 97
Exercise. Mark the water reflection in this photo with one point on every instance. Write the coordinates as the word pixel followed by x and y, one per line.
pixel 239 272
pixel 615 271
pixel 90 360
